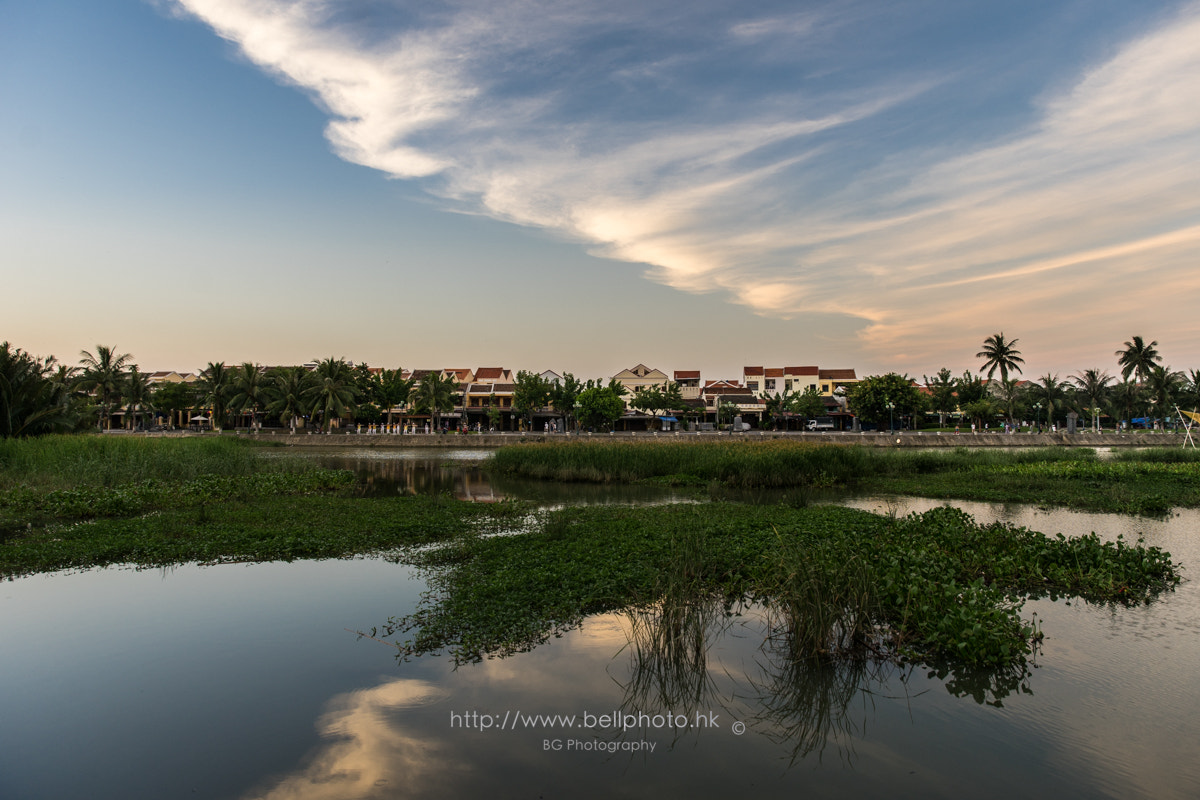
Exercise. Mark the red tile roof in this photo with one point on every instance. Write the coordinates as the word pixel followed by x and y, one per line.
pixel 801 370
pixel 752 370
pixel 687 374
pixel 839 374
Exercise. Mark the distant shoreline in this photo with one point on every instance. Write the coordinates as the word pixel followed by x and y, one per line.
pixel 867 439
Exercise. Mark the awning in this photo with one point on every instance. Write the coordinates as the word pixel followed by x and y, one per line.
pixel 668 419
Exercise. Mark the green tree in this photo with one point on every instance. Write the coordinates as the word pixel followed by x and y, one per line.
pixel 1163 387
pixel 1001 354
pixel 103 376
pixel 434 395
pixel 287 394
pixel 215 386
pixel 1092 385
pixel 138 396
pixel 531 393
pixel 1050 392
pixel 942 393
pixel 174 398
pixel 969 389
pixel 1010 396
pixel 564 394
pixel 390 389
pixel 1125 397
pixel 1137 358
pixel 599 407
pixel 35 398
pixel 248 391
pixel 332 392
pixel 869 398
pixel 1190 396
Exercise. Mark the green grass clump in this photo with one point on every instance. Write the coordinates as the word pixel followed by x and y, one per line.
pixel 66 462
pixel 840 582
pixel 1143 482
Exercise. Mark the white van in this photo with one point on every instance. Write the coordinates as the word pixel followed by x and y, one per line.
pixel 821 424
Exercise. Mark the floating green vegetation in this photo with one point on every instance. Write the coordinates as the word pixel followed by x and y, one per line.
pixel 1141 482
pixel 270 527
pixel 838 583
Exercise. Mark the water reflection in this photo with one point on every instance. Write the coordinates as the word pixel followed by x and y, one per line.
pixel 370 755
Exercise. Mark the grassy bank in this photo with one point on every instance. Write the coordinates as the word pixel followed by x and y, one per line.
pixel 843 583
pixel 1139 482
pixel 54 482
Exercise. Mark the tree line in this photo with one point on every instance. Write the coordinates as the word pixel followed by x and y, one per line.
pixel 1146 391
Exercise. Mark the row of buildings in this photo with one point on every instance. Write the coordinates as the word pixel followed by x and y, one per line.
pixel 485 394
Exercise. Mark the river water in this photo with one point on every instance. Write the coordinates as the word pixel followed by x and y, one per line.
pixel 247 681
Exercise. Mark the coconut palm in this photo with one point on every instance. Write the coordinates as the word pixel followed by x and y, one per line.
pixel 1125 397
pixel 137 396
pixel 1191 391
pixel 1093 388
pixel 1163 386
pixel 1008 394
pixel 332 392
pixel 434 395
pixel 390 389
pixel 1137 359
pixel 216 386
pixel 35 396
pixel 1000 354
pixel 1050 392
pixel 103 376
pixel 248 392
pixel 287 394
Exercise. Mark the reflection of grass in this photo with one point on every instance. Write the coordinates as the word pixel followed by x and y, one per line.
pixel 1137 482
pixel 843 584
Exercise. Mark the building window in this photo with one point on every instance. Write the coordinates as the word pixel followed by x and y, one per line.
pixel 752 386
pixel 825 387
pixel 770 384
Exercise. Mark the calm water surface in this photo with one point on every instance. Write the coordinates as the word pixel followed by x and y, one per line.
pixel 242 681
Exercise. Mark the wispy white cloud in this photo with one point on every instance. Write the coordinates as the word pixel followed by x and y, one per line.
pixel 617 124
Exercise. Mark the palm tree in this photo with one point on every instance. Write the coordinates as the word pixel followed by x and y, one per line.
pixel 1009 394
pixel 1191 392
pixel 1124 398
pixel 248 391
pixel 390 390
pixel 1050 392
pixel 1000 354
pixel 35 396
pixel 103 376
pixel 1093 387
pixel 434 395
pixel 216 385
pixel 332 392
pixel 137 396
pixel 1137 358
pixel 1164 386
pixel 287 394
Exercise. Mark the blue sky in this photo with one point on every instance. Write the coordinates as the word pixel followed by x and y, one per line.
pixel 583 186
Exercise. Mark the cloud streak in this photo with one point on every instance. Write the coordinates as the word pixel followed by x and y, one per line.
pixel 734 154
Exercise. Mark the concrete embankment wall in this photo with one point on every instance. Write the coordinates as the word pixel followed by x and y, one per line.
pixel 873 439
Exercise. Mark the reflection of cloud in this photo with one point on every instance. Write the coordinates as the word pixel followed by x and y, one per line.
pixel 601 122
pixel 372 754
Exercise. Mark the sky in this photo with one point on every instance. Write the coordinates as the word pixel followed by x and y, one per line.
pixel 584 186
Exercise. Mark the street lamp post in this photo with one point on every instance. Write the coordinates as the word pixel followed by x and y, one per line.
pixel 891 423
pixel 1038 406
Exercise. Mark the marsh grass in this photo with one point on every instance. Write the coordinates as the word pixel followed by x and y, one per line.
pixel 1148 483
pixel 67 462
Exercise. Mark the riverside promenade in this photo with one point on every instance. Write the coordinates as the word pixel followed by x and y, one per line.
pixel 864 439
